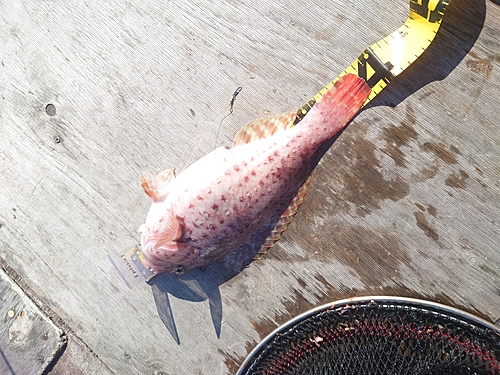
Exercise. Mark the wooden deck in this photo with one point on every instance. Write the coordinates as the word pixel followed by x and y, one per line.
pixel 405 203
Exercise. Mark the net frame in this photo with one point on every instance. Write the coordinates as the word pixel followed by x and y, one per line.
pixel 379 335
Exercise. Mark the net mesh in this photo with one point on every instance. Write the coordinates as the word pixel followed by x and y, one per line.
pixel 380 339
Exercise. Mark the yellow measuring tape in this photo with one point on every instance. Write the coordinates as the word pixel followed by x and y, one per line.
pixel 385 59
pixel 377 65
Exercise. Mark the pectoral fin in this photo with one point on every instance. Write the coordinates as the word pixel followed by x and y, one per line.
pixel 172 231
pixel 154 186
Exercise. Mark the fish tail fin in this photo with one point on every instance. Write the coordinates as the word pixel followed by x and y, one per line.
pixel 349 92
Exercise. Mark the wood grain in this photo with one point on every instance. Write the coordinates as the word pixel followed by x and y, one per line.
pixel 406 202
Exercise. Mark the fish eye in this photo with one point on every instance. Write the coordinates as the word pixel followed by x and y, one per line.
pixel 179 270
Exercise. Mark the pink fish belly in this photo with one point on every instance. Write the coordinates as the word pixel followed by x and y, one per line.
pixel 257 183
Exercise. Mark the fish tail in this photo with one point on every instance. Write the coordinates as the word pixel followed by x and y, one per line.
pixel 349 92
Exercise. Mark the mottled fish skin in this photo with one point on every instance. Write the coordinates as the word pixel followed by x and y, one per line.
pixel 222 199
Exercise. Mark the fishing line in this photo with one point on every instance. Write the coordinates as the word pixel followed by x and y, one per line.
pixel 231 107
pixel 192 154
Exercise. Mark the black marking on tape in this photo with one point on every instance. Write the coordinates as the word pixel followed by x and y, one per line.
pixel 303 111
pixel 423 10
pixel 382 71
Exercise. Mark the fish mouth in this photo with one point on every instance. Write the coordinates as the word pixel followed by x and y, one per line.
pixel 172 256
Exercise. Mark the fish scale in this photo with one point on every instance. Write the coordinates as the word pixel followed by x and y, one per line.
pixel 224 198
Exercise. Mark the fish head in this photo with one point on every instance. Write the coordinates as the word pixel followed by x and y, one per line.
pixel 163 247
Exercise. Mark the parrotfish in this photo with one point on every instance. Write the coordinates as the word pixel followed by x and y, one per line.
pixel 219 202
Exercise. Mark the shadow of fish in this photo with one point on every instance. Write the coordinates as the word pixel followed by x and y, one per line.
pixel 195 285
pixel 232 194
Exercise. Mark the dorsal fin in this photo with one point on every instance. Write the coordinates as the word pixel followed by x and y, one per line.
pixel 264 127
pixel 154 185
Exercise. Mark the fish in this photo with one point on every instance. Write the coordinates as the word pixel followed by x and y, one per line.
pixel 213 207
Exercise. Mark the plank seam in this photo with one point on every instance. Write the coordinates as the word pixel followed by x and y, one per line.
pixel 50 314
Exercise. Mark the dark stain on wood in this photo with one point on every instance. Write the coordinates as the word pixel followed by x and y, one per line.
pixel 397 136
pixel 432 210
pixel 301 282
pixel 424 225
pixel 447 300
pixel 440 150
pixel 234 361
pixel 363 183
pixel 264 326
pixel 493 272
pixel 481 183
pixel 373 256
pixel 479 65
pixel 295 305
pixel 420 207
pixel 321 279
pixel 457 180
pixel 425 174
pixel 455 150
pixel 426 94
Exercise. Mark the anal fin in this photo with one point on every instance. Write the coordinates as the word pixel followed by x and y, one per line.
pixel 260 243
pixel 285 219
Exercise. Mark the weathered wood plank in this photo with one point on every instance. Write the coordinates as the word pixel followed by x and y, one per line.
pixel 78 359
pixel 405 203
pixel 29 341
pixel 70 357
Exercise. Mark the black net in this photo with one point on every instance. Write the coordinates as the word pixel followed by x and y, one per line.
pixel 378 338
